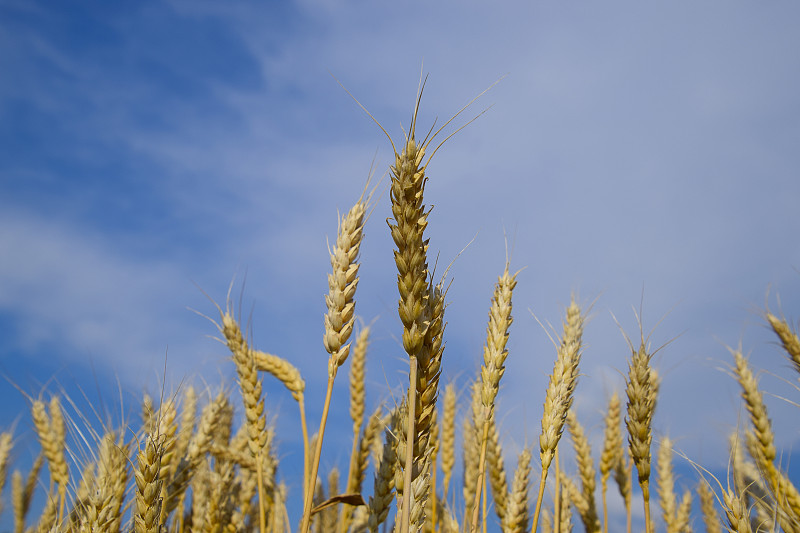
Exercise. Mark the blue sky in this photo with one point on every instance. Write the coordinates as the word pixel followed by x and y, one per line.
pixel 637 154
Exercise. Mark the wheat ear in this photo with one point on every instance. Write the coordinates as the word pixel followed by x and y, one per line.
pixel 250 386
pixel 515 519
pixel 612 449
pixel 448 436
pixel 786 495
pixel 6 439
pixel 290 376
pixel 494 358
pixel 788 338
pixel 51 432
pixel 666 484
pixel 384 486
pixel 558 398
pixel 497 472
pixel 641 403
pixel 339 321
pixel 736 511
pixel 710 518
pixel 22 494
pixel 586 472
pixel 148 487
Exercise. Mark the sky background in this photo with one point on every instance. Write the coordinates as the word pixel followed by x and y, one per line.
pixel 642 156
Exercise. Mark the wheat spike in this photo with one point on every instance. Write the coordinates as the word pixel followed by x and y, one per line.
pixel 710 518
pixel 666 485
pixel 641 404
pixel 148 487
pixel 612 449
pixel 558 398
pixel 448 435
pixel 497 472
pixel 786 495
pixel 586 471
pixel 788 338
pixel 516 517
pixel 381 499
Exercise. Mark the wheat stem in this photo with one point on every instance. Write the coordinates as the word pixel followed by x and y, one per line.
pixel 315 461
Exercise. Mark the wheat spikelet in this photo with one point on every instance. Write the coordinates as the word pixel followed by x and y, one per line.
pixel 789 339
pixel 516 518
pixel 586 471
pixel 148 487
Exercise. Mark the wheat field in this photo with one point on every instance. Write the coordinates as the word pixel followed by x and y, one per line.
pixel 431 460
